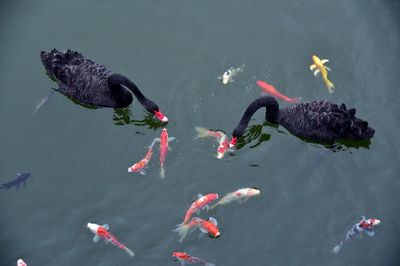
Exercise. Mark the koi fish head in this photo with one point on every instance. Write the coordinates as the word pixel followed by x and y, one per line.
pixel 374 221
pixel 136 167
pixel 160 116
pixel 226 76
pixel 213 231
pixel 92 227
pixel 21 262
pixel 315 59
pixel 212 197
pixel 254 192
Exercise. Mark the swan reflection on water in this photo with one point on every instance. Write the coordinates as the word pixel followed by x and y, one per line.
pixel 254 133
pixel 123 116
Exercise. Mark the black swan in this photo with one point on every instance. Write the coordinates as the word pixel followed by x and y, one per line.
pixel 320 121
pixel 90 83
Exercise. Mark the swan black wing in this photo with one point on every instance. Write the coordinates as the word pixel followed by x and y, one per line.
pixel 78 77
pixel 324 121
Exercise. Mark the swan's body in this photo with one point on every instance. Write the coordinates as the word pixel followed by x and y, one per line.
pixel 320 121
pixel 91 83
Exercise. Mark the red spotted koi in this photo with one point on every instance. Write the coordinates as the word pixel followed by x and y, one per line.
pixel 164 139
pixel 209 227
pixel 201 203
pixel 101 232
pixel 184 258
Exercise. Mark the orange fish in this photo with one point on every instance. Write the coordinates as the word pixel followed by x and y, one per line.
pixel 184 258
pixel 164 139
pixel 209 227
pixel 267 88
pixel 141 165
pixel 201 203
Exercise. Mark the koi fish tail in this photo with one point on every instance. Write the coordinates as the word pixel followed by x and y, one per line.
pixel 201 132
pixel 162 172
pixel 182 231
pixel 329 85
pixel 337 248
pixel 130 252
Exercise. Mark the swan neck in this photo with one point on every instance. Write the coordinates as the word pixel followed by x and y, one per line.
pixel 271 113
pixel 116 80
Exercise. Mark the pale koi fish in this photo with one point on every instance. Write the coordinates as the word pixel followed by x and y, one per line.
pixel 201 203
pixel 240 195
pixel 230 73
pixel 267 88
pixel 44 100
pixel 221 137
pixel 101 232
pixel 185 258
pixel 365 225
pixel 319 67
pixel 21 262
pixel 141 165
pixel 209 227
pixel 164 139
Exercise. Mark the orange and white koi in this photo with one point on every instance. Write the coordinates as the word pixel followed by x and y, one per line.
pixel 209 227
pixel 184 258
pixel 240 195
pixel 21 262
pixel 318 66
pixel 201 203
pixel 141 165
pixel 101 232
pixel 268 88
pixel 164 139
pixel 221 137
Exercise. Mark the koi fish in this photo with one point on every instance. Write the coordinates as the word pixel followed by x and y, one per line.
pixel 43 101
pixel 206 227
pixel 201 203
pixel 101 232
pixel 21 178
pixel 230 73
pixel 184 258
pixel 240 195
pixel 21 262
pixel 267 88
pixel 164 139
pixel 318 66
pixel 365 224
pixel 221 137
pixel 141 165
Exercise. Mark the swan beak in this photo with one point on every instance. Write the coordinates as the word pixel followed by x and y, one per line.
pixel 160 116
pixel 233 142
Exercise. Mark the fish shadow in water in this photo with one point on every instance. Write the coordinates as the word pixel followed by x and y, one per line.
pixel 21 178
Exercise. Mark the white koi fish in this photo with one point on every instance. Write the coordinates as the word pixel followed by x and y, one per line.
pixel 230 73
pixel 21 262
pixel 240 195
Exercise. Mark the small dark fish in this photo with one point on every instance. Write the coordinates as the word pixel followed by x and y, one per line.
pixel 21 178
pixel 44 100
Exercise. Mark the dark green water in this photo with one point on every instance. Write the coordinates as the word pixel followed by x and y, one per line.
pixel 174 51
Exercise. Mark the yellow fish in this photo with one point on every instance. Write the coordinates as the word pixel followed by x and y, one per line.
pixel 318 67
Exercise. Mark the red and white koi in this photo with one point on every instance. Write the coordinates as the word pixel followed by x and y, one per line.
pixel 230 73
pixel 184 258
pixel 141 165
pixel 221 137
pixel 21 262
pixel 267 88
pixel 164 139
pixel 209 227
pixel 201 203
pixel 365 225
pixel 240 195
pixel 101 232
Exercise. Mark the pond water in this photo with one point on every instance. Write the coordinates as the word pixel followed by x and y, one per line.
pixel 174 51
